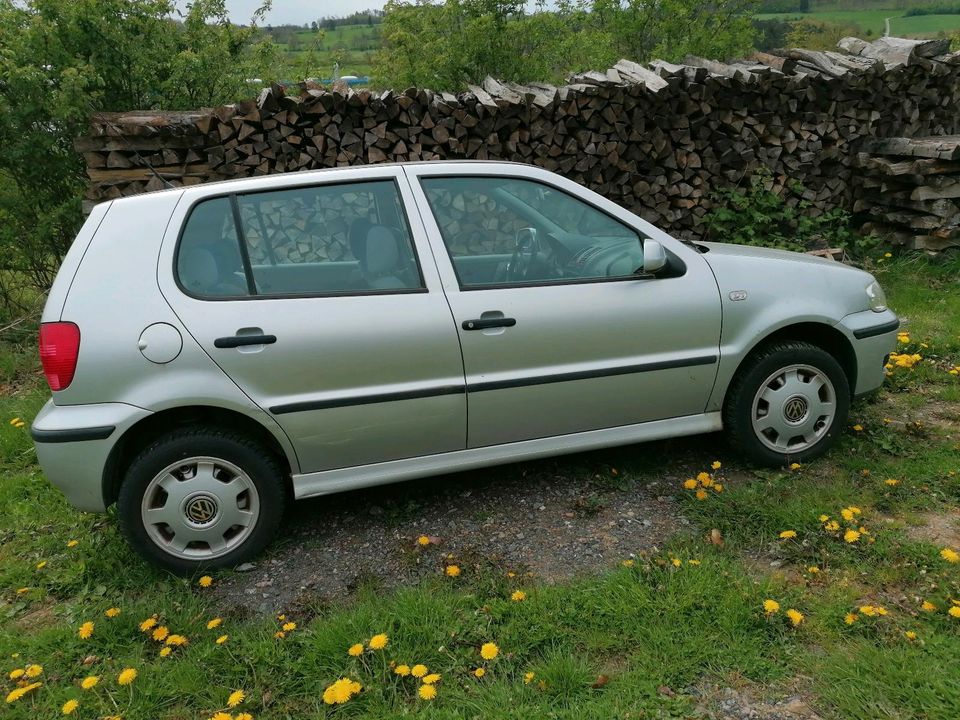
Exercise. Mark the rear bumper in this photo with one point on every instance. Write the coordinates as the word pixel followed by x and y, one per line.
pixel 873 336
pixel 73 443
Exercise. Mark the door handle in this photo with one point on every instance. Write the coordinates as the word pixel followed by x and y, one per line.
pixel 484 323
pixel 235 341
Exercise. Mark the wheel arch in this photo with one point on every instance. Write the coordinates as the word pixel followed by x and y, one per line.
pixel 140 434
pixel 824 336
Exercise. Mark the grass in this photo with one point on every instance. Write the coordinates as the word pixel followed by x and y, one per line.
pixel 873 20
pixel 645 640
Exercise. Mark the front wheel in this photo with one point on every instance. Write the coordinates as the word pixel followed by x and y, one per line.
pixel 201 499
pixel 788 403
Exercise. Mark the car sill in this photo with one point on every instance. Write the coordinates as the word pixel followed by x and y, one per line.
pixel 338 480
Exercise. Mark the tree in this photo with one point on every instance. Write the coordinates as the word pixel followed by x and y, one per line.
pixel 63 60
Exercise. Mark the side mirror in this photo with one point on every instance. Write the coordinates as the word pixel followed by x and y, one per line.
pixel 654 256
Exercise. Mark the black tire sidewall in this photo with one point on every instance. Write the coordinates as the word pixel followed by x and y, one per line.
pixel 739 407
pixel 254 460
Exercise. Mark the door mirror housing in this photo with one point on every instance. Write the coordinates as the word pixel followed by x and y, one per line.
pixel 654 257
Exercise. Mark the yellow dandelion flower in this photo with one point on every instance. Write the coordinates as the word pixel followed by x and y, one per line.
pixel 479 672
pixel 423 540
pixel 453 570
pixel 910 635
pixel 950 555
pixel 112 612
pixel 528 677
pixel 881 610
pixel 288 626
pixel 954 611
pixel 891 482
pixel 813 569
pixel 489 651
pixel 850 618
pixel 847 514
pixel 627 563
pixel 701 494
pixel 868 610
pixel 787 534
pixel 166 651
pixel 127 676
pixel 378 642
pixel 72 543
pixel 418 671
pixel 718 487
pixel 21 591
pixel 858 428
pixel 831 526
pixel 177 640
pixel 676 562
pixel 928 606
pixel 147 624
pixel 279 634
pixel 215 623
pixel 243 716
pixel 89 682
pixel 771 606
pixel 795 466
pixel 715 465
pixel 16 674
pixel 86 630
pixel 851 536
pixel 690 484
pixel 41 565
pixel 427 692
pixel 341 691
pixel 355 650
pixel 222 639
pixel 431 679
pixel 824 518
pixel 795 617
pixel 69 707
pixel 19 692
pixel 160 634
pixel 518 596
pixel 402 670
pixel 236 697
pixel 221 716
pixel 693 562
pixel 33 671
pixel 703 478
pixel 205 582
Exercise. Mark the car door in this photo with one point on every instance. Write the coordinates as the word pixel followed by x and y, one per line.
pixel 559 333
pixel 319 297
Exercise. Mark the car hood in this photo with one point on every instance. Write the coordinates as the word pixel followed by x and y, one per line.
pixel 765 272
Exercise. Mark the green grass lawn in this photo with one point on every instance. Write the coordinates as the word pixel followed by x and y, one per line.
pixel 638 640
pixel 872 19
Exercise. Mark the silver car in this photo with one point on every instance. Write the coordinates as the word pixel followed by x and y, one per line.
pixel 217 349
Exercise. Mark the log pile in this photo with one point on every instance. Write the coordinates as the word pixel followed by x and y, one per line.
pixel 911 191
pixel 657 138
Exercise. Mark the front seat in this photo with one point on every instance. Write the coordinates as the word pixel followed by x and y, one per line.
pixel 378 253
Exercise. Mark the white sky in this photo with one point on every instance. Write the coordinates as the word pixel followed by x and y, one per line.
pixel 298 12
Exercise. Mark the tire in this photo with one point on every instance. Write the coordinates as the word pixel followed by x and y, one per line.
pixel 201 499
pixel 788 403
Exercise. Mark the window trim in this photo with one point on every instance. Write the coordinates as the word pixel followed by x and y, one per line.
pixel 643 237
pixel 244 255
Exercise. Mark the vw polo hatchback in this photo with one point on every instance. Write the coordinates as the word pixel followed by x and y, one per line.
pixel 218 349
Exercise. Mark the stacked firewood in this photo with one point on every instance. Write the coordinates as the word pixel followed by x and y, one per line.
pixel 911 191
pixel 659 139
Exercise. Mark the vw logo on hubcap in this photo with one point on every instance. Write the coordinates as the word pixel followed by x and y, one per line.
pixel 795 409
pixel 201 509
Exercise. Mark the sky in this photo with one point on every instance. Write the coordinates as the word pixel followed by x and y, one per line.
pixel 298 11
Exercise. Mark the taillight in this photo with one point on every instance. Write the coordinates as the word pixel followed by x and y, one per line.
pixel 59 348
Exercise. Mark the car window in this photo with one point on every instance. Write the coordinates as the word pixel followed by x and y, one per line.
pixel 330 239
pixel 507 231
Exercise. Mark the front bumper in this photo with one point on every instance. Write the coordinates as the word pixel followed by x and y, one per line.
pixel 73 443
pixel 873 336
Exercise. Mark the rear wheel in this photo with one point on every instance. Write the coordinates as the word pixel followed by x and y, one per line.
pixel 787 404
pixel 201 499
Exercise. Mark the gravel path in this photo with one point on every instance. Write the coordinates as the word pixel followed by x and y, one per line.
pixel 555 518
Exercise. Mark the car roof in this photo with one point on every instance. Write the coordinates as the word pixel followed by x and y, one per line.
pixel 318 171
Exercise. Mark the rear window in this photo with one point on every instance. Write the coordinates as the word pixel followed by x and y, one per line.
pixel 322 240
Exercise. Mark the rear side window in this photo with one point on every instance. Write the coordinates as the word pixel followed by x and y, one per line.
pixel 323 240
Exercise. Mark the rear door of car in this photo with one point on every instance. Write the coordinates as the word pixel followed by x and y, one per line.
pixel 318 295
pixel 546 355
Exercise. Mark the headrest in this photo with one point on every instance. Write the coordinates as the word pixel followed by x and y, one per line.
pixel 198 270
pixel 381 252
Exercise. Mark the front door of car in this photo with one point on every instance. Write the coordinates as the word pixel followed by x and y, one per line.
pixel 319 297
pixel 559 333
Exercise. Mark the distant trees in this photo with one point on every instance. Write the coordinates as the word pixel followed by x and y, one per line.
pixel 448 44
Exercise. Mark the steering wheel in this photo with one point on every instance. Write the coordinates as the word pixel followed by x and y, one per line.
pixel 526 251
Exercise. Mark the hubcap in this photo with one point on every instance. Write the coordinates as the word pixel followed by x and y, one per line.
pixel 793 408
pixel 200 508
